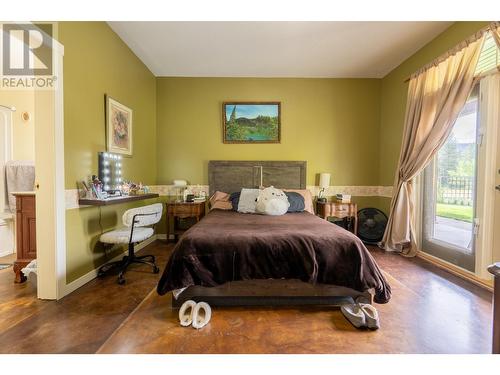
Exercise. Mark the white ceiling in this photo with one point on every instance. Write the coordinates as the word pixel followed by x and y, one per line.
pixel 275 49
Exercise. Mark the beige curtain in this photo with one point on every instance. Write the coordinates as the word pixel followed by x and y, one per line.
pixel 436 95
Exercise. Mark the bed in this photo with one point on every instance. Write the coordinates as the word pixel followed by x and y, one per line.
pixel 229 258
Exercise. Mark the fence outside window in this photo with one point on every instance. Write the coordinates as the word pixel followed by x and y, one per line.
pixel 457 190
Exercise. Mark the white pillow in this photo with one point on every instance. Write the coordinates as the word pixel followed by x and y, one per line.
pixel 248 200
pixel 272 201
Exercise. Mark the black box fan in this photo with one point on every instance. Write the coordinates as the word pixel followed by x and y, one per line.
pixel 371 225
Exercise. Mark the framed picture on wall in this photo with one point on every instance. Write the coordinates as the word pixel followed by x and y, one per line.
pixel 251 122
pixel 118 127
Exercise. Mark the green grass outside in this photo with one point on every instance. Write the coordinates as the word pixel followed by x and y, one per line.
pixel 453 211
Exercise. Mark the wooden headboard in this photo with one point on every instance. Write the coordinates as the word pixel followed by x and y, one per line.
pixel 231 176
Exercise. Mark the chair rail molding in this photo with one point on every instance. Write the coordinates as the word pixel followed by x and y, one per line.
pixel 72 195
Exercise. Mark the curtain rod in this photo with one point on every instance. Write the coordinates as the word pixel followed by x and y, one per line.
pixel 457 48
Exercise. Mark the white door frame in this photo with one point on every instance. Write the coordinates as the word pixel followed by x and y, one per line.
pixel 488 130
pixel 60 182
pixel 50 185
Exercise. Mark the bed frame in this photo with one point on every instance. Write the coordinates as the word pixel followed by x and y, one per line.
pixel 231 176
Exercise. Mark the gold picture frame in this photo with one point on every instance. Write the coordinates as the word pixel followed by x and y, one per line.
pixel 119 126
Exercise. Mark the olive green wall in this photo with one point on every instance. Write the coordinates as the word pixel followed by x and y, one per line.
pixel 331 123
pixel 394 95
pixel 98 62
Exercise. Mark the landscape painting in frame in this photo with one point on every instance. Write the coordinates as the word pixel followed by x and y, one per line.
pixel 252 122
pixel 118 127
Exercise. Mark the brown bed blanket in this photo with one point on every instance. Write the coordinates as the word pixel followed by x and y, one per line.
pixel 228 246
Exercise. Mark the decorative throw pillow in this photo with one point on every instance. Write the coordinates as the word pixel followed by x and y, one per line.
pixel 248 200
pixel 234 198
pixel 296 202
pixel 308 203
pixel 220 200
pixel 272 201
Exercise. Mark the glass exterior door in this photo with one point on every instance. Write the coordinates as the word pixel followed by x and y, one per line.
pixel 450 192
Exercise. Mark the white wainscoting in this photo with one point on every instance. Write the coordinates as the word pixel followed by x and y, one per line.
pixel 169 190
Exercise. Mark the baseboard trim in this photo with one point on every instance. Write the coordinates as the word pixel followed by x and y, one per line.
pixel 6 253
pixel 163 236
pixel 81 281
pixel 457 271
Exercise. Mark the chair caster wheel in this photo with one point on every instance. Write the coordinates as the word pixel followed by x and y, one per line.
pixel 156 269
pixel 121 281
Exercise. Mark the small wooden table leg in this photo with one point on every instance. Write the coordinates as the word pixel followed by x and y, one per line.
pixel 19 278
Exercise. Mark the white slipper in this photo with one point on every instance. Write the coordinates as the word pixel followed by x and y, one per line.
pixel 186 313
pixel 371 315
pixel 201 315
pixel 354 314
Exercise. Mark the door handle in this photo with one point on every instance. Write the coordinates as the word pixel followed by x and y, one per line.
pixel 497 187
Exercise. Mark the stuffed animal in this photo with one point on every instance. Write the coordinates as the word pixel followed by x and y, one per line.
pixel 272 201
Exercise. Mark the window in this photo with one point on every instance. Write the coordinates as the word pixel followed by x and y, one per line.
pixel 490 56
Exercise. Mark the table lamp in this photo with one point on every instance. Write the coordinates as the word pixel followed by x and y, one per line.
pixel 324 183
pixel 180 187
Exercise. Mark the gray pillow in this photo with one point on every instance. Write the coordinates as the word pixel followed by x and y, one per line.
pixel 248 200
pixel 296 202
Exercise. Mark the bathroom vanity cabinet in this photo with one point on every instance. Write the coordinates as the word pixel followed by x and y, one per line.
pixel 25 232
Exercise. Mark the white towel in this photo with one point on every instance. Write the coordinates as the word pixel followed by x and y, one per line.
pixel 20 176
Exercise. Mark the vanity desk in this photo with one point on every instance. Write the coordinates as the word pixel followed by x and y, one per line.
pixel 116 200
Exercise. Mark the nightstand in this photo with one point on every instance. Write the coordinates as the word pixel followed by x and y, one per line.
pixel 178 211
pixel 345 211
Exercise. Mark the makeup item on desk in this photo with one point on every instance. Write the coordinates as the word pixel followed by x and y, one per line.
pixel 98 194
pixel 114 193
pixel 97 188
pixel 190 198
pixel 85 191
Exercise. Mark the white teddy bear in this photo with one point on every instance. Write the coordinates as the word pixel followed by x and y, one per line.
pixel 272 201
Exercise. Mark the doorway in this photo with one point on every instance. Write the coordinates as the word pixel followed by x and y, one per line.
pixel 450 185
pixel 17 180
pixel 49 179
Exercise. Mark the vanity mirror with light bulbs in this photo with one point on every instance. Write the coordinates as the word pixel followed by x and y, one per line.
pixel 110 171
